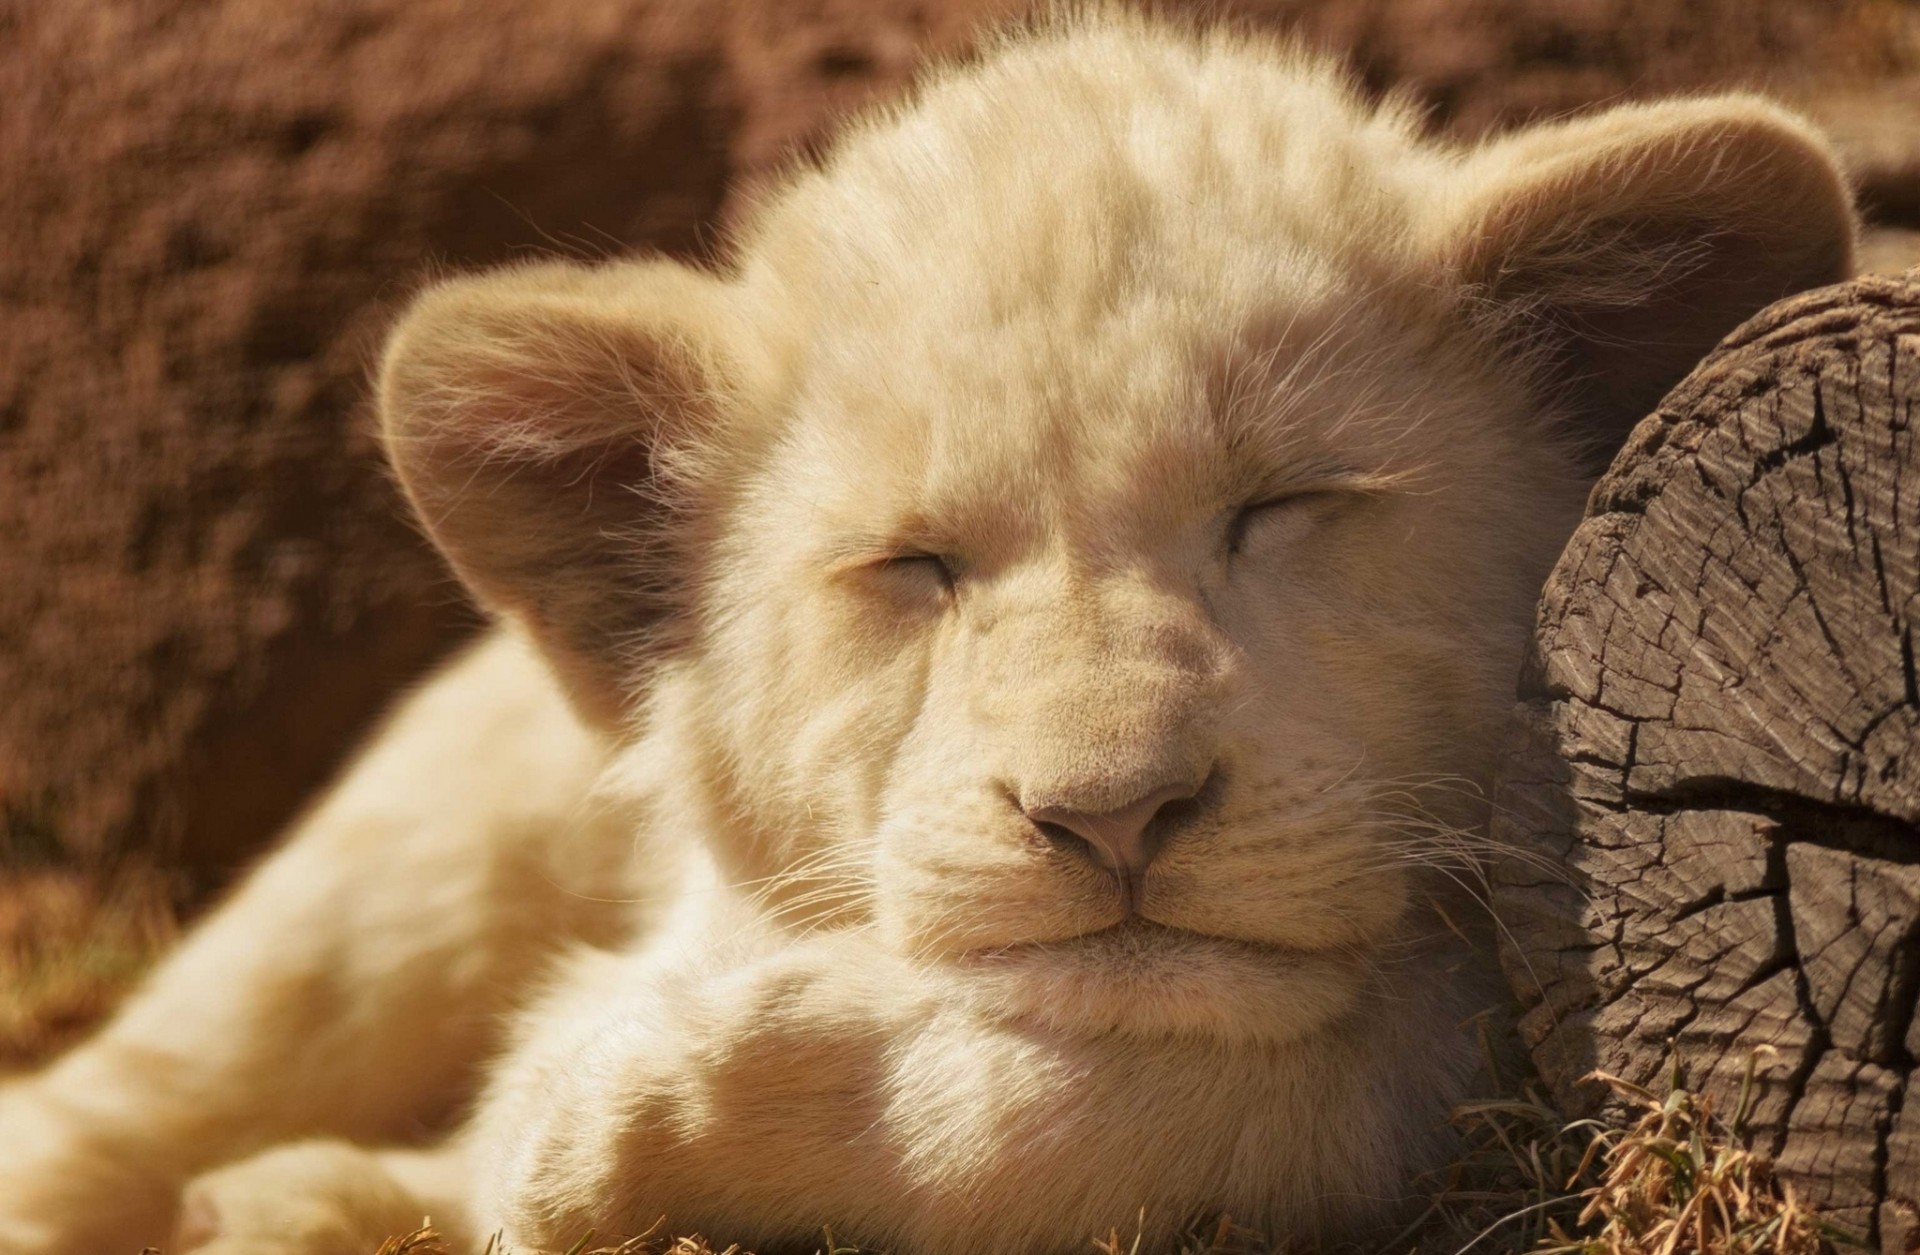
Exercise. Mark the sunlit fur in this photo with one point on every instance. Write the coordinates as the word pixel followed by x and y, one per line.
pixel 1135 409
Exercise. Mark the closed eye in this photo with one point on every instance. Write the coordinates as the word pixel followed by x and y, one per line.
pixel 1292 506
pixel 914 563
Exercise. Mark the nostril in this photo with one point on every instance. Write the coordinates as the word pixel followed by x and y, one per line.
pixel 1098 843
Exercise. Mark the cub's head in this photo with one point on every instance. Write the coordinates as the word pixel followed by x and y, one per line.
pixel 1089 532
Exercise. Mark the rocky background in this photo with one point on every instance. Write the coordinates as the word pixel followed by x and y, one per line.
pixel 210 208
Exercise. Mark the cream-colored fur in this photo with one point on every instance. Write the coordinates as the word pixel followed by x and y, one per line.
pixel 1136 414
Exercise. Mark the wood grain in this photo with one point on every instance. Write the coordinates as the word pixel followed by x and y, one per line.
pixel 1718 755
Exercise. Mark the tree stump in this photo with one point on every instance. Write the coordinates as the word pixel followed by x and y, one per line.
pixel 1713 794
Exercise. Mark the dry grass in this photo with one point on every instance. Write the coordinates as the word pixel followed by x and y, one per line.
pixel 1666 1176
pixel 1676 1181
pixel 425 1241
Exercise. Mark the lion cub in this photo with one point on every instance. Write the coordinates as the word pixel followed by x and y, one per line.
pixel 1039 618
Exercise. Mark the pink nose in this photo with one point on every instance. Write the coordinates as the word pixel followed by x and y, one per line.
pixel 1122 840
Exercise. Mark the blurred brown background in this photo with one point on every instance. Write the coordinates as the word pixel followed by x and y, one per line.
pixel 210 208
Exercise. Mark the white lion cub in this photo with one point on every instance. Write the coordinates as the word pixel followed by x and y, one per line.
pixel 1040 617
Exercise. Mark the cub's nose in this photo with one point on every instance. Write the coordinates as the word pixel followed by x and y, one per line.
pixel 1124 840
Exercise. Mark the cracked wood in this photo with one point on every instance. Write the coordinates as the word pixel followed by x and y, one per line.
pixel 1719 742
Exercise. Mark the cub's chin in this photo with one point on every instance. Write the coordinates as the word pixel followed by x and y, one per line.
pixel 1154 981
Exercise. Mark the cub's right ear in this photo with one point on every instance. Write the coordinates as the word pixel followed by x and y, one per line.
pixel 549 425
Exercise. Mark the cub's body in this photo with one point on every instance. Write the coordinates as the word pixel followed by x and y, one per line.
pixel 986 745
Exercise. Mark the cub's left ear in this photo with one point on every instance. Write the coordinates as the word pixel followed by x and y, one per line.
pixel 1614 251
pixel 549 424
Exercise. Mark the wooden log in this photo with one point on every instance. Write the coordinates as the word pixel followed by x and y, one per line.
pixel 1713 793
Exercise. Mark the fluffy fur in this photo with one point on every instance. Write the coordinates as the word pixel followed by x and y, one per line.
pixel 1138 413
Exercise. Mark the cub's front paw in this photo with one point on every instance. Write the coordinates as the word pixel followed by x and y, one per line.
pixel 68 1185
pixel 311 1198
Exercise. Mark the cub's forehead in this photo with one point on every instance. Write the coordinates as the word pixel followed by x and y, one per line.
pixel 1078 264
pixel 1074 175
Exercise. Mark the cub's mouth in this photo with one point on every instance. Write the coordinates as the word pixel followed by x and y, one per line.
pixel 1154 979
pixel 1132 939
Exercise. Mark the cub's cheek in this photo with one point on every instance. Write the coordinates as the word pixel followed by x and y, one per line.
pixel 1344 899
